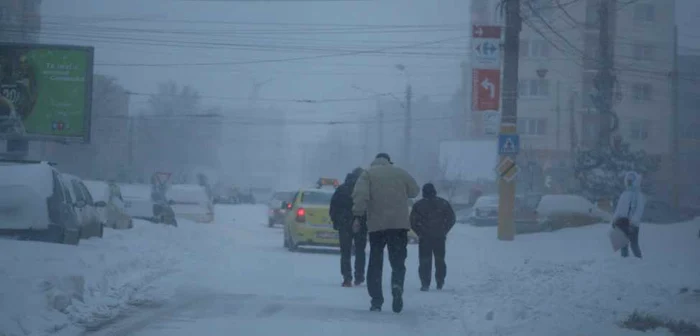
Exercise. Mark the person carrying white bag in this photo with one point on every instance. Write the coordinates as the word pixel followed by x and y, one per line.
pixel 628 214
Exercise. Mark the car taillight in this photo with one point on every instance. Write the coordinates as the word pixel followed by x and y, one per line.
pixel 289 205
pixel 301 215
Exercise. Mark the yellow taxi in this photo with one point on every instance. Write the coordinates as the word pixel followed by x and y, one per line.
pixel 308 223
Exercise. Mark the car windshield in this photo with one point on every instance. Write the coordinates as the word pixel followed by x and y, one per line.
pixel 316 198
pixel 283 196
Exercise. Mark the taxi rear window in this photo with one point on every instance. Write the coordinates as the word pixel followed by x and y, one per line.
pixel 316 198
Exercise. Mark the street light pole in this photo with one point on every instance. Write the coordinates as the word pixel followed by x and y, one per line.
pixel 407 130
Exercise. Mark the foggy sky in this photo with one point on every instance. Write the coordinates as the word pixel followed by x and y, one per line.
pixel 326 78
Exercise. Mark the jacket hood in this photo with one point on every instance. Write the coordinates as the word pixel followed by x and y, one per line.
pixel 381 162
pixel 633 181
pixel 429 190
pixel 350 178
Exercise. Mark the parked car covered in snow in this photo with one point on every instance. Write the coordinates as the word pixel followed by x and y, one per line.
pixel 554 212
pixel 91 224
pixel 191 202
pixel 35 203
pixel 485 211
pixel 139 204
pixel 114 214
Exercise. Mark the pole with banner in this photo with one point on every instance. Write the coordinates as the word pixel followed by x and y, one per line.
pixel 508 139
pixel 486 78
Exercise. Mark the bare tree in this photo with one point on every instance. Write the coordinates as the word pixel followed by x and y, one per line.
pixel 448 183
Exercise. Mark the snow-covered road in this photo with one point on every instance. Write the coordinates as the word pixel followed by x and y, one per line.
pixel 234 278
pixel 247 284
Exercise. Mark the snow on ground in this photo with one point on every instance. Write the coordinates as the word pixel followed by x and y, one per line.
pixel 51 287
pixel 234 277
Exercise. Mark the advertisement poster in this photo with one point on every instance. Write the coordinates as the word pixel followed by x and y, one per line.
pixel 45 92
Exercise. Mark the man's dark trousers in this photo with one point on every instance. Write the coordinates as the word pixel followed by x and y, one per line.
pixel 430 247
pixel 347 238
pixel 395 240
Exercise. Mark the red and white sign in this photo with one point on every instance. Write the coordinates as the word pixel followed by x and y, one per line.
pixel 486 90
pixel 162 177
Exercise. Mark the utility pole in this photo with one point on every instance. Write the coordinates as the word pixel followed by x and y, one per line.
pixel 380 126
pixel 407 130
pixel 509 118
pixel 675 129
pixel 604 80
pixel 558 111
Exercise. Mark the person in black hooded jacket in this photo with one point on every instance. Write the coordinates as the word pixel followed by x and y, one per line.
pixel 342 218
pixel 432 218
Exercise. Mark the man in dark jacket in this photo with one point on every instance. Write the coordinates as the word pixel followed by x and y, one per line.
pixel 342 217
pixel 431 219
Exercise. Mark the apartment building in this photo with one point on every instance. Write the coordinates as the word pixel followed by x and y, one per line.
pixel 558 65
pixel 689 127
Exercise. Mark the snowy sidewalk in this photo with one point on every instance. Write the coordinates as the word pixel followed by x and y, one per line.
pixel 57 288
pixel 557 283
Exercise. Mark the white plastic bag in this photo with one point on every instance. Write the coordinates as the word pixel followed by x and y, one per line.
pixel 618 238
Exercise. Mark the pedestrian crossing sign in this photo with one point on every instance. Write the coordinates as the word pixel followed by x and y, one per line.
pixel 508 144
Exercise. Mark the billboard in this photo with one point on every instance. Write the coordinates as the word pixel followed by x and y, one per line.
pixel 45 92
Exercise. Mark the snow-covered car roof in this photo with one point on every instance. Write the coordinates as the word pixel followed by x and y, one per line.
pixel 36 176
pixel 486 201
pixel 24 189
pixel 576 204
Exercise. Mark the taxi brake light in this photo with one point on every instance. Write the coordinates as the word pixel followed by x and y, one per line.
pixel 301 215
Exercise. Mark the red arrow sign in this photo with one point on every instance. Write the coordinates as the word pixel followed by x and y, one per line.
pixel 486 90
pixel 486 31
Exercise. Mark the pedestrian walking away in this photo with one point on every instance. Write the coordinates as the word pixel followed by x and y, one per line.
pixel 629 211
pixel 432 218
pixel 342 218
pixel 382 193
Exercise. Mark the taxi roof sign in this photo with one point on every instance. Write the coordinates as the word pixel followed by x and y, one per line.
pixel 324 181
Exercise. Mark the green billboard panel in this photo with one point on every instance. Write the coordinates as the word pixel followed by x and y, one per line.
pixel 45 92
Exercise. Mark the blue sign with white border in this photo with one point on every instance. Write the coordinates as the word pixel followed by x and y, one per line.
pixel 508 144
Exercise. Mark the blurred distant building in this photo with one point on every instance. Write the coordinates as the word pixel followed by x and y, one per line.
pixel 254 147
pixel 180 145
pixel 20 21
pixel 689 127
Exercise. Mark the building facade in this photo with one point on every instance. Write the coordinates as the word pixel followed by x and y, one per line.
pixel 559 61
pixel 20 21
pixel 689 128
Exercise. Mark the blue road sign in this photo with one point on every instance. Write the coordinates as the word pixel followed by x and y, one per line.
pixel 508 144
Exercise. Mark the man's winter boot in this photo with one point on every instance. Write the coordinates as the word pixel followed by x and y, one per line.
pixel 440 285
pixel 424 288
pixel 375 308
pixel 347 283
pixel 397 304
pixel 359 280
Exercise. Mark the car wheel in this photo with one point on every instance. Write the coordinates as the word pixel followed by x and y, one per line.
pixel 270 223
pixel 101 230
pixel 286 241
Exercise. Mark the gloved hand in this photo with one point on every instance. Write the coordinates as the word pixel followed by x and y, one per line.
pixel 356 226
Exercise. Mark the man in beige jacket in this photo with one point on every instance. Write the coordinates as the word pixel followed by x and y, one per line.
pixel 382 192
